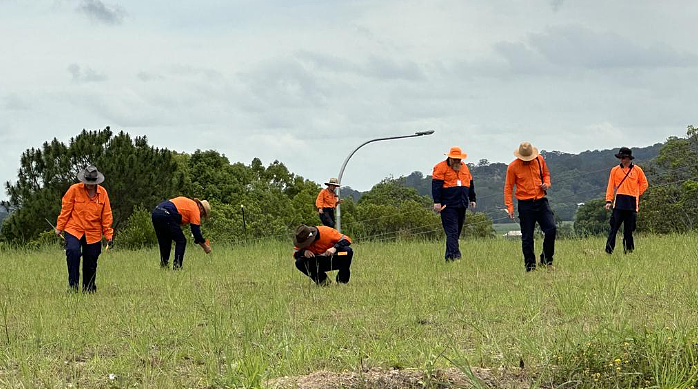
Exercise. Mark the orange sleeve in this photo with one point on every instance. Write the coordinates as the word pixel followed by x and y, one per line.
pixel 439 173
pixel 509 187
pixel 107 218
pixel 610 188
pixel 67 204
pixel 337 236
pixel 546 173
pixel 319 200
pixel 642 181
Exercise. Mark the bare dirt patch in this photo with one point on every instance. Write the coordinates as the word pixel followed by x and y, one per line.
pixel 402 379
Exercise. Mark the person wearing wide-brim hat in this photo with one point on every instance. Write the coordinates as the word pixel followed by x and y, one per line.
pixel 167 218
pixel 531 177
pixel 321 249
pixel 326 202
pixel 85 218
pixel 626 183
pixel 453 190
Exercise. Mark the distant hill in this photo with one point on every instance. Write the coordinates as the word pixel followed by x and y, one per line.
pixel 575 178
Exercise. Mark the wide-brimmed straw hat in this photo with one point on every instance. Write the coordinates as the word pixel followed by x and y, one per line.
pixel 332 182
pixel 206 206
pixel 456 153
pixel 625 152
pixel 526 152
pixel 90 175
pixel 304 236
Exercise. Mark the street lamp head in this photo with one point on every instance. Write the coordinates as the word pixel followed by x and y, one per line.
pixel 420 133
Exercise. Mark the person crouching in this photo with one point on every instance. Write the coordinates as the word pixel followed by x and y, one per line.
pixel 322 249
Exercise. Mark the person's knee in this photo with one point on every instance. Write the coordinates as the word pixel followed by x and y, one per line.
pixel 550 232
pixel 302 265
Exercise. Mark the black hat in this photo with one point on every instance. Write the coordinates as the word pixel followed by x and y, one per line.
pixel 625 152
pixel 90 175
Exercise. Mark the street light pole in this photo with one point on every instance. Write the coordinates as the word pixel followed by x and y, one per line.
pixel 344 165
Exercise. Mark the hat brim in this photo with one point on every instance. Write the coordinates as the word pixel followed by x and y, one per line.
pixel 331 184
pixel 531 157
pixel 206 213
pixel 307 242
pixel 457 156
pixel 619 156
pixel 99 180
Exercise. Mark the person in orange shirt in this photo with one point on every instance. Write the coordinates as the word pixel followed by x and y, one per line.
pixel 626 183
pixel 530 175
pixel 167 218
pixel 321 249
pixel 85 217
pixel 453 190
pixel 326 202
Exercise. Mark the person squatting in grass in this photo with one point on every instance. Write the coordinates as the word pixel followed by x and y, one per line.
pixel 167 218
pixel 321 249
pixel 453 189
pixel 529 173
pixel 85 217
pixel 326 202
pixel 626 183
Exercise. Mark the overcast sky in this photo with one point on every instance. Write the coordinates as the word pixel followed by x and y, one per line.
pixel 305 82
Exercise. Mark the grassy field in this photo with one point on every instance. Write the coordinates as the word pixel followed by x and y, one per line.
pixel 245 315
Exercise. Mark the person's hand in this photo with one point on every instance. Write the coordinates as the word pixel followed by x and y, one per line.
pixel 473 204
pixel 511 214
pixel 330 252
pixel 320 211
pixel 544 186
pixel 607 206
pixel 437 207
pixel 339 201
pixel 308 254
pixel 109 245
pixel 206 247
pixel 58 232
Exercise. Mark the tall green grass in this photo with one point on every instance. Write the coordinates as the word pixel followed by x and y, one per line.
pixel 244 315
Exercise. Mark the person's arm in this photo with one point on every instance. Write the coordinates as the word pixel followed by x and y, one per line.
pixel 107 219
pixel 196 231
pixel 509 182
pixel 67 204
pixel 471 191
pixel 642 181
pixel 610 188
pixel 546 173
pixel 437 183
pixel 319 201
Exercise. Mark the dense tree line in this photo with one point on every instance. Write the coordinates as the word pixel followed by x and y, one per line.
pixel 250 202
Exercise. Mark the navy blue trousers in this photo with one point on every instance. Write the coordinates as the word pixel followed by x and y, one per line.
pixel 530 212
pixel 327 217
pixel 316 267
pixel 167 229
pixel 452 219
pixel 74 249
pixel 628 218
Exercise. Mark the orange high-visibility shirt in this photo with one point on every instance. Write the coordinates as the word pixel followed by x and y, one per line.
pixel 526 177
pixel 328 238
pixel 189 209
pixel 633 186
pixel 445 173
pixel 82 215
pixel 326 199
